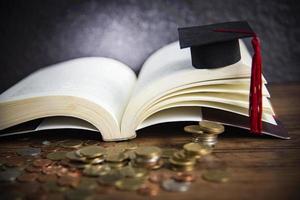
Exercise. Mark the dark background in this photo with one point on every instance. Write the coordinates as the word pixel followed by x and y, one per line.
pixel 34 34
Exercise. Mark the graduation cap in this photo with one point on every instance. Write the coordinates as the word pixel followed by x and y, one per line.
pixel 217 45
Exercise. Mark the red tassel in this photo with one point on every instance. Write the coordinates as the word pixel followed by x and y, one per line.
pixel 255 98
pixel 255 107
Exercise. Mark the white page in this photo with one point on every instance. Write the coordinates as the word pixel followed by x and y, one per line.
pixel 173 115
pixel 65 123
pixel 103 81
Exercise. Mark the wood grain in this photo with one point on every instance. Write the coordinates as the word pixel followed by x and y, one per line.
pixel 261 167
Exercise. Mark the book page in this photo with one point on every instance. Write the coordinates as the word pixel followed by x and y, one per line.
pixel 103 81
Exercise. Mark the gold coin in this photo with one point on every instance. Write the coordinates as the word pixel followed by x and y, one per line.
pixel 93 170
pixel 94 161
pixel 182 168
pixel 216 175
pixel 92 151
pixel 129 184
pixel 211 127
pixel 182 162
pixel 193 148
pixel 181 156
pixel 195 129
pixel 148 151
pixel 113 150
pixel 129 171
pixel 59 155
pixel 127 145
pixel 110 178
pixel 168 152
pixel 71 143
pixel 74 157
pixel 180 159
pixel 116 157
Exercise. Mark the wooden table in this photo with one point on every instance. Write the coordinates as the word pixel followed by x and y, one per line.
pixel 261 167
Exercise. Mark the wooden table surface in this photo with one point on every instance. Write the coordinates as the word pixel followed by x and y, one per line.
pixel 261 167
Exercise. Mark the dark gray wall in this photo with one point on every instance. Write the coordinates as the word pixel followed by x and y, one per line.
pixel 34 34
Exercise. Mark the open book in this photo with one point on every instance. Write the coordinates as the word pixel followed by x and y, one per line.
pixel 105 95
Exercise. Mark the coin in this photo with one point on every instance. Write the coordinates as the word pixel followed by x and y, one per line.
pixel 182 168
pixel 168 152
pixel 46 142
pixel 174 186
pixel 116 157
pixel 42 162
pixel 14 162
pixel 93 161
pixel 196 149
pixel 129 171
pixel 149 190
pixel 179 158
pixel 9 174
pixel 216 175
pixel 109 178
pixel 52 186
pixel 211 127
pixel 33 169
pixel 59 155
pixel 87 184
pixel 148 151
pixel 129 183
pixel 184 177
pixel 68 181
pixel 91 142
pixel 158 177
pixel 61 171
pixel 195 129
pixel 93 170
pixel 29 151
pixel 27 177
pixel 127 145
pixel 43 178
pixel 92 151
pixel 52 169
pixel 74 157
pixel 71 143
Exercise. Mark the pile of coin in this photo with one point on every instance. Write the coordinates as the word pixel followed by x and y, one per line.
pixel 79 169
pixel 148 157
pixel 181 162
pixel 89 155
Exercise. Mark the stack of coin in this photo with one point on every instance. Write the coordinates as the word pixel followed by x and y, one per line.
pixel 206 132
pixel 196 150
pixel 181 162
pixel 117 160
pixel 211 131
pixel 148 157
pixel 89 155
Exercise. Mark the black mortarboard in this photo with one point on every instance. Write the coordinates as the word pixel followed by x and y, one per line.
pixel 211 47
pixel 217 45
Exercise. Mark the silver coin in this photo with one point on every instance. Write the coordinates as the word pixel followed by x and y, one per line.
pixel 174 186
pixel 9 175
pixel 29 151
pixel 46 142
